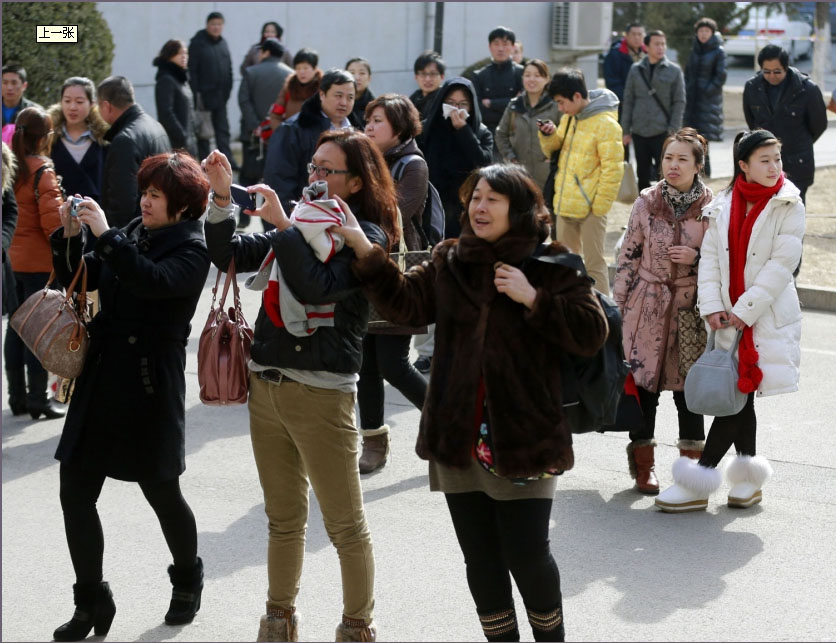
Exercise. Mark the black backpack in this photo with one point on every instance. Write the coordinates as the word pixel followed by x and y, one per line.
pixel 431 229
pixel 592 386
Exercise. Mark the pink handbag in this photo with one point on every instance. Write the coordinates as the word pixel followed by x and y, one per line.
pixel 224 349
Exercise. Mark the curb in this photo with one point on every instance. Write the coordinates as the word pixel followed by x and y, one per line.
pixel 811 297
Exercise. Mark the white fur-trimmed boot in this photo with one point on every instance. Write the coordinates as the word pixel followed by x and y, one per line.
pixel 694 484
pixel 747 474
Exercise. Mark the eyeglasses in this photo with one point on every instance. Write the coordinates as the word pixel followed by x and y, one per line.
pixel 772 72
pixel 428 74
pixel 462 105
pixel 323 172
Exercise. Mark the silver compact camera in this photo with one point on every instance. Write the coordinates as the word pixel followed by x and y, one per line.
pixel 75 202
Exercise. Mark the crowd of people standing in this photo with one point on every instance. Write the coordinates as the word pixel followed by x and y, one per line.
pixel 526 163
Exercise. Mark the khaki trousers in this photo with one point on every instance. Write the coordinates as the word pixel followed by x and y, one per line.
pixel 586 237
pixel 303 433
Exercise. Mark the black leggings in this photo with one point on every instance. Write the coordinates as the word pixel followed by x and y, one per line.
pixel 690 424
pixel 79 493
pixel 740 430
pixel 498 537
pixel 386 357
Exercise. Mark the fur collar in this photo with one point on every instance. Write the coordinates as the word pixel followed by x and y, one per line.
pixel 98 126
pixel 168 68
pixel 303 91
pixel 9 167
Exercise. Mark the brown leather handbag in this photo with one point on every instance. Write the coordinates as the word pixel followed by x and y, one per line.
pixel 224 349
pixel 54 326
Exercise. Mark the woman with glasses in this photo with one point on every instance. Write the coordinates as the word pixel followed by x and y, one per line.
pixel 454 142
pixel 303 385
pixel 38 194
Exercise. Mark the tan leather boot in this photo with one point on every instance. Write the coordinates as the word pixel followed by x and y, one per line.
pixel 375 449
pixel 640 454
pixel 690 448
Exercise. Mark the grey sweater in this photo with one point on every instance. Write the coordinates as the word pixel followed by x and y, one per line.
pixel 641 113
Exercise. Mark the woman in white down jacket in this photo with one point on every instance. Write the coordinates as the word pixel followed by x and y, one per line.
pixel 748 255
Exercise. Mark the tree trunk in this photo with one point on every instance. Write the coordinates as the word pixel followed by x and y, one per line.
pixel 821 48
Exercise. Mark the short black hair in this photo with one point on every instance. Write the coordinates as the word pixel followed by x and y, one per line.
pixel 116 90
pixel 502 32
pixel 566 82
pixel 430 57
pixel 335 77
pixel 306 55
pixel 771 52
pixel 654 32
pixel 273 46
pixel 706 22
pixel 13 68
pixel 215 15
pixel 363 61
pixel 633 25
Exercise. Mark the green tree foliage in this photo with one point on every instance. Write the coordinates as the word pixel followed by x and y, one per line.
pixel 677 19
pixel 48 64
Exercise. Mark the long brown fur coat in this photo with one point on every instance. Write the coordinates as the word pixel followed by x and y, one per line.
pixel 481 333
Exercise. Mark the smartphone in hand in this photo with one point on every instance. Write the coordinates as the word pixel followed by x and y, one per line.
pixel 242 198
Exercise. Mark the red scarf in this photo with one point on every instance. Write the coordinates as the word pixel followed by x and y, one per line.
pixel 740 232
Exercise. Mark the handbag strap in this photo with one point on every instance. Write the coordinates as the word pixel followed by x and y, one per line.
pixel 709 343
pixel 652 92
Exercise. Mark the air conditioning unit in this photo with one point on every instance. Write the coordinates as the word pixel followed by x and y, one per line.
pixel 581 26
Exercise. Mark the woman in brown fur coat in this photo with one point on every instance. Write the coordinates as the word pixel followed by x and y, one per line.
pixel 492 425
pixel 656 277
pixel 299 87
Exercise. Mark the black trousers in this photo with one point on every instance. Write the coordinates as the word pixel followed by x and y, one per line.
pixel 80 492
pixel 739 430
pixel 691 425
pixel 15 353
pixel 648 158
pixel 500 539
pixel 387 357
pixel 220 123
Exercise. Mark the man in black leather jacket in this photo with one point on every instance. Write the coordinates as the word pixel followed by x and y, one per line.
pixel 133 137
pixel 781 99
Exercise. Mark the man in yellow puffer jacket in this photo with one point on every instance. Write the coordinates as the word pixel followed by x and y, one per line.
pixel 589 168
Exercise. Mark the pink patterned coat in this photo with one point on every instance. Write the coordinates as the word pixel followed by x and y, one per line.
pixel 649 288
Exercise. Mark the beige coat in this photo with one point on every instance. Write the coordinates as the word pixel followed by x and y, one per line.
pixel 649 288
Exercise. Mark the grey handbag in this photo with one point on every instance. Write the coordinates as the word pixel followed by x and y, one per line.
pixel 711 384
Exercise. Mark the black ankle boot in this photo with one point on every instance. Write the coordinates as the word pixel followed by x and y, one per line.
pixel 187 586
pixel 547 626
pixel 94 610
pixel 38 401
pixel 17 390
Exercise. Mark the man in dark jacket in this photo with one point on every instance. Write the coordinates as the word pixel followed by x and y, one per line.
pixel 133 137
pixel 210 75
pixel 260 84
pixel 499 81
pixel 292 146
pixel 429 74
pixel 621 56
pixel 786 102
pixel 14 84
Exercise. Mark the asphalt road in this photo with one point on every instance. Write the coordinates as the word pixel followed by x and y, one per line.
pixel 628 572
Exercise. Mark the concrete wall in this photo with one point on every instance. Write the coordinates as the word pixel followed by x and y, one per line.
pixel 390 35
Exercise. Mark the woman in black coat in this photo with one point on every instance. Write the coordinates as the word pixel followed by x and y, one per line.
pixel 127 415
pixel 175 103
pixel 705 75
pixel 454 142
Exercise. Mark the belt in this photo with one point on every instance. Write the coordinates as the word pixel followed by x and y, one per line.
pixel 275 376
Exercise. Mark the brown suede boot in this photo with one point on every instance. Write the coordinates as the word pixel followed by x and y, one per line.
pixel 375 449
pixel 355 629
pixel 279 625
pixel 642 466
pixel 690 448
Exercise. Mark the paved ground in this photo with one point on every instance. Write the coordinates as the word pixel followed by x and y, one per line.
pixel 629 573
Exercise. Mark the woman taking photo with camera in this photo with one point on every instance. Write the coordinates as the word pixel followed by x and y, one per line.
pixel 751 247
pixel 492 426
pixel 127 414
pixel 303 386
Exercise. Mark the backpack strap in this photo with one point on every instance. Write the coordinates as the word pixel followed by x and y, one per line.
pixel 400 165
pixel 38 174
